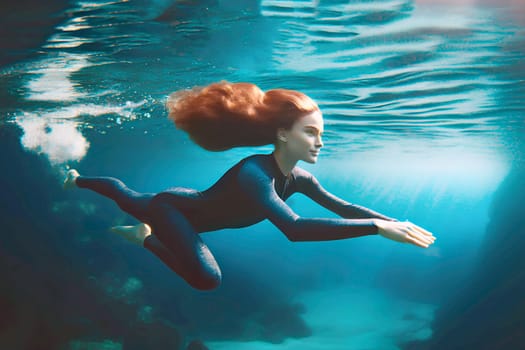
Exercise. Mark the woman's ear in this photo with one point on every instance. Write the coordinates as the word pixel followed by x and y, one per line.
pixel 281 135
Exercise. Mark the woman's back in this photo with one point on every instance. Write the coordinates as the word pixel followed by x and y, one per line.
pixel 226 204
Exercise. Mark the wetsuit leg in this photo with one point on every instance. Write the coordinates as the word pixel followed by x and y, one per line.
pixel 173 238
pixel 179 246
pixel 133 203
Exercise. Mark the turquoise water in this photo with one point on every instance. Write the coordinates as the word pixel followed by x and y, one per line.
pixel 423 107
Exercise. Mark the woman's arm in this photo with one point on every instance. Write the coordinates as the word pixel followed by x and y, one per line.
pixel 403 232
pixel 309 186
pixel 258 186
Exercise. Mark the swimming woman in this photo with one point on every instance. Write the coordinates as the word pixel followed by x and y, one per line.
pixel 225 115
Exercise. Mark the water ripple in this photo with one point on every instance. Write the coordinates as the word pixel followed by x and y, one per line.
pixel 398 67
pixel 382 68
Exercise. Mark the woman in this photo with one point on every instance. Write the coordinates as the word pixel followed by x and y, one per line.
pixel 225 115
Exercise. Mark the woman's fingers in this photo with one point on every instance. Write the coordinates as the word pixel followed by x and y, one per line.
pixel 422 237
pixel 422 230
pixel 418 238
pixel 421 240
pixel 416 242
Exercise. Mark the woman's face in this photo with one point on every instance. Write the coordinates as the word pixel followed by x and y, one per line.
pixel 303 140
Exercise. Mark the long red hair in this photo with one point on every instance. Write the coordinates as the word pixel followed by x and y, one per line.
pixel 224 115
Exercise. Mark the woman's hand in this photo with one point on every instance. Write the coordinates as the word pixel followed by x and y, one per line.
pixel 405 232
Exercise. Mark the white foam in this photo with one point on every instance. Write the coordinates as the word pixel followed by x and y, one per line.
pixel 59 141
pixel 56 134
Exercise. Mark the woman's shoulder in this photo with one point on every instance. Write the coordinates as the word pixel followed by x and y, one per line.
pixel 258 159
pixel 257 164
pixel 301 174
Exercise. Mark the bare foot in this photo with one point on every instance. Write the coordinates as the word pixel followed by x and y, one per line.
pixel 135 234
pixel 71 177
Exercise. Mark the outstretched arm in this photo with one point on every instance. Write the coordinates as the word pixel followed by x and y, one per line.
pixel 258 186
pixel 309 186
pixel 403 232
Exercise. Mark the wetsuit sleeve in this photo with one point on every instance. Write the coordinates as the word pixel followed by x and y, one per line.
pixel 258 187
pixel 307 184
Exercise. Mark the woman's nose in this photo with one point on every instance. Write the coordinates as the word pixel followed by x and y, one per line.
pixel 319 142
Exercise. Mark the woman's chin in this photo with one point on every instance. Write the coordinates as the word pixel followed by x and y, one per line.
pixel 311 160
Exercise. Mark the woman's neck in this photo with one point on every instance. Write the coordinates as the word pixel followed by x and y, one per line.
pixel 285 165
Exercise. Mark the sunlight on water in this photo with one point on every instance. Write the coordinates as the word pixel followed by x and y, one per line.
pixel 94 4
pixel 60 41
pixel 411 173
pixel 52 78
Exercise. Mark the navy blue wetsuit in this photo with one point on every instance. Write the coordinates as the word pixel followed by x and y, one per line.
pixel 252 190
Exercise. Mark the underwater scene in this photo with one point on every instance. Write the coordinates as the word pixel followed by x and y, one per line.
pixel 423 104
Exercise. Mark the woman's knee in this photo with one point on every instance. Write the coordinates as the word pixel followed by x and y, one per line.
pixel 195 262
pixel 205 278
pixel 160 207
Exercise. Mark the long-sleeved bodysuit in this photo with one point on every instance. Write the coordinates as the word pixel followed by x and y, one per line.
pixel 252 190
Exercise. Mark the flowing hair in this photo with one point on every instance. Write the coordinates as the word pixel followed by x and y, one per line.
pixel 224 115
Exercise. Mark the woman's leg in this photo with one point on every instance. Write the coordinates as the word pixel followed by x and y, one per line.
pixel 133 203
pixel 173 240
pixel 179 246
